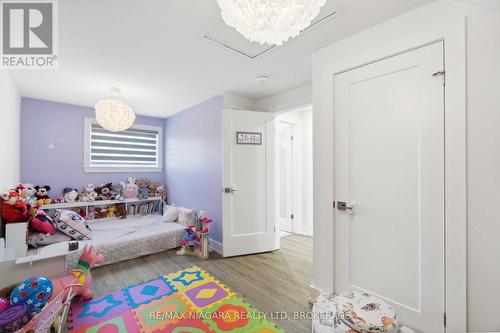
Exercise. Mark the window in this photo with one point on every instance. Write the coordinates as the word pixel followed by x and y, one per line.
pixel 138 149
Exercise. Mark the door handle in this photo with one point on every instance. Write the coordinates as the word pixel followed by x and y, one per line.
pixel 345 207
pixel 230 190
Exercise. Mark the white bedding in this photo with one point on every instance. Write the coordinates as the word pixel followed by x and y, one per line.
pixel 119 240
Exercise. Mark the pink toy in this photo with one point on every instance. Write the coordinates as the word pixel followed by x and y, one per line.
pixel 59 198
pixel 41 222
pixel 79 279
pixel 130 190
pixel 4 303
pixel 205 222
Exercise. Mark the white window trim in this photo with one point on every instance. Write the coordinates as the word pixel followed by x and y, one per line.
pixel 86 151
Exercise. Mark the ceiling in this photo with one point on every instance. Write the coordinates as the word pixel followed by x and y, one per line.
pixel 155 52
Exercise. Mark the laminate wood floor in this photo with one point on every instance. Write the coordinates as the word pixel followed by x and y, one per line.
pixel 271 282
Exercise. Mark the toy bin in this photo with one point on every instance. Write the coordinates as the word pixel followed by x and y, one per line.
pixel 53 315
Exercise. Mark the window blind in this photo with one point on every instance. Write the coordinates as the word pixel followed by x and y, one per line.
pixel 133 148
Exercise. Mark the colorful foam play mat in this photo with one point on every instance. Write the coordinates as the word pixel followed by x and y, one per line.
pixel 188 301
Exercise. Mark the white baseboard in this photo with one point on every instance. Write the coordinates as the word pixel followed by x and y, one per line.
pixel 215 246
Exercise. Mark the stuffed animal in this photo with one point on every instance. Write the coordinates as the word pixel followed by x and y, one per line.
pixel 152 187
pixel 42 195
pixel 143 188
pixel 100 213
pixel 13 208
pixel 91 213
pixel 82 212
pixel 27 192
pixel 41 222
pixel 161 191
pixel 111 211
pixel 70 194
pixel 130 190
pixel 118 192
pixel 59 198
pixel 89 193
pixel 104 192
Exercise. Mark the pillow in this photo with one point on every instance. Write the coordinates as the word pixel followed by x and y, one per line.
pixel 36 238
pixel 187 217
pixel 171 214
pixel 72 224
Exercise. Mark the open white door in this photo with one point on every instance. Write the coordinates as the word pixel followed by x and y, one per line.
pixel 389 183
pixel 249 224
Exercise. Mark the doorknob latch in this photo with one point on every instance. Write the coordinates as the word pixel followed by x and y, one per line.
pixel 229 190
pixel 343 206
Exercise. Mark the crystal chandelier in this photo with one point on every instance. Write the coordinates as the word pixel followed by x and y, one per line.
pixel 114 114
pixel 269 21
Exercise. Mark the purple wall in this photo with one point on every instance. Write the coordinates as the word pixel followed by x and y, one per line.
pixel 43 122
pixel 193 160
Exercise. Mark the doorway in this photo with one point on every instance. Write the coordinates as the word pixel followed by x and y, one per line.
pixel 294 172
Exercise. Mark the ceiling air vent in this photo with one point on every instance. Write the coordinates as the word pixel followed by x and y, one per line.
pixel 230 39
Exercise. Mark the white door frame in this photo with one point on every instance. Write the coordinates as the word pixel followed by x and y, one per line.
pixel 296 209
pixel 358 51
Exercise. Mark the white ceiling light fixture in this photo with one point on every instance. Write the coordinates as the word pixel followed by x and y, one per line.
pixel 269 21
pixel 114 114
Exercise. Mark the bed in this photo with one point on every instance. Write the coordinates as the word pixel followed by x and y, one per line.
pixel 119 240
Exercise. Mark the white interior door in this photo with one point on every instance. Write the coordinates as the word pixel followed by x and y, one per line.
pixel 286 176
pixel 249 220
pixel 389 167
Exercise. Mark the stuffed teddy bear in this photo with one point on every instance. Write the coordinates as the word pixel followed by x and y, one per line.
pixel 111 211
pixel 70 194
pixel 89 193
pixel 42 195
pixel 13 208
pixel 152 187
pixel 143 188
pixel 161 191
pixel 104 192
pixel 130 190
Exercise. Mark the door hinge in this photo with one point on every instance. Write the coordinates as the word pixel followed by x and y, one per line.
pixel 444 319
pixel 441 73
pixel 292 216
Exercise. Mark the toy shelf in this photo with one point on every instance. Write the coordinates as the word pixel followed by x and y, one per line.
pixel 76 204
pixel 99 203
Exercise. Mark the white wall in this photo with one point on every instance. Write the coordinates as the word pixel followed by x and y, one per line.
pixel 10 127
pixel 236 102
pixel 296 97
pixel 483 142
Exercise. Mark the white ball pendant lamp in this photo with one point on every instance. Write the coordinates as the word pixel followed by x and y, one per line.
pixel 269 21
pixel 114 114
